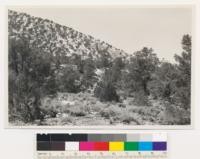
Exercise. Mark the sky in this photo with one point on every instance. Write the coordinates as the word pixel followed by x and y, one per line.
pixel 127 28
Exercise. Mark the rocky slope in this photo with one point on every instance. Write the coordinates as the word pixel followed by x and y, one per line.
pixel 55 38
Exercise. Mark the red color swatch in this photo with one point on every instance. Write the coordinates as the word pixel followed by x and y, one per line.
pixel 101 146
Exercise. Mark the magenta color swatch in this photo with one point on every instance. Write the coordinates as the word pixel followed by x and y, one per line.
pixel 86 146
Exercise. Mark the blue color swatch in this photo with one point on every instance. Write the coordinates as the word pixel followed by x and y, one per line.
pixel 145 146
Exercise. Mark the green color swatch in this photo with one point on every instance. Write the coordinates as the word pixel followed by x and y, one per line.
pixel 131 146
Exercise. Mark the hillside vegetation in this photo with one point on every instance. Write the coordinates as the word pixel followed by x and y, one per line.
pixel 59 76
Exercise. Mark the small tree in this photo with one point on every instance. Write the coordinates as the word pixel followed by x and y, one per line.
pixel 141 67
pixel 183 85
pixel 70 80
pixel 163 81
pixel 104 61
pixel 105 89
pixel 30 74
pixel 118 65
pixel 89 76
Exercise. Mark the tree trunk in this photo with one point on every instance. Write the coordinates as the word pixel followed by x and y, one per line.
pixel 144 84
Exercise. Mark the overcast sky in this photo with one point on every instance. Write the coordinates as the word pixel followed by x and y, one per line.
pixel 129 29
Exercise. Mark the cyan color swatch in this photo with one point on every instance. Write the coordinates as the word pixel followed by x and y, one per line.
pixel 145 146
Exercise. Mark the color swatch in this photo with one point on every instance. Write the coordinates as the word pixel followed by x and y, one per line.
pixel 131 146
pixel 116 146
pixel 101 142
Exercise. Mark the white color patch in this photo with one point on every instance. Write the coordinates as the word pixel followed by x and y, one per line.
pixel 160 137
pixel 71 146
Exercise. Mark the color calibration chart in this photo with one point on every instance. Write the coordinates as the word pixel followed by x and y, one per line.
pixel 102 146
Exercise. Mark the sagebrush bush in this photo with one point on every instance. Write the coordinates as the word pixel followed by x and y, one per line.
pixel 127 117
pixel 77 111
pixel 141 99
pixel 176 115
pixel 112 111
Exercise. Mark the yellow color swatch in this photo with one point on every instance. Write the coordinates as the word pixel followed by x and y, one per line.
pixel 116 146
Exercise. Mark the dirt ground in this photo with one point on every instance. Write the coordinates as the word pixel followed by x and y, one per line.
pixel 83 109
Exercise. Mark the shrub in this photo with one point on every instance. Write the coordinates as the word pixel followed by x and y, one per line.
pixel 112 111
pixel 176 115
pixel 77 111
pixel 105 91
pixel 70 80
pixel 127 117
pixel 67 120
pixel 141 99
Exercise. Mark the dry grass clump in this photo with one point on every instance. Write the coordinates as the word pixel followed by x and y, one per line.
pixel 77 111
pixel 176 115
pixel 67 120
pixel 140 99
pixel 50 107
pixel 111 111
pixel 128 118
pixel 98 106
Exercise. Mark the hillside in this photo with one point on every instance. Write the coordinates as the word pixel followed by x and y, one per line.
pixel 55 38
